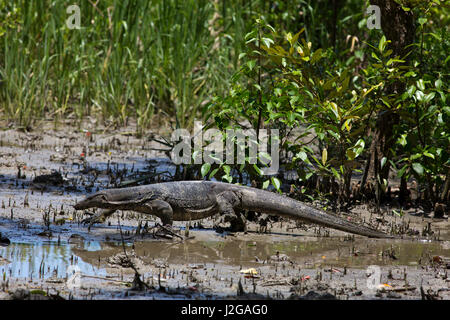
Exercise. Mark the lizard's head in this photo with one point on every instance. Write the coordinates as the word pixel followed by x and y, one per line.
pixel 98 200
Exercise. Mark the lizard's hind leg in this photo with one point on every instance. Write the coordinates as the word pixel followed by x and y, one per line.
pixel 227 202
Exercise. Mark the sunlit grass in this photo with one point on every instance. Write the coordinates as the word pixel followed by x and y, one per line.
pixel 130 59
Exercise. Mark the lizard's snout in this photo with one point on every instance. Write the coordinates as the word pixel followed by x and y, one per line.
pixel 83 204
pixel 78 206
pixel 95 200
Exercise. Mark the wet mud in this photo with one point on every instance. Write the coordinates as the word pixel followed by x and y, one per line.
pixel 46 252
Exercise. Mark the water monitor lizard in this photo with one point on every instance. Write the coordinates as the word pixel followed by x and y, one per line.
pixel 192 200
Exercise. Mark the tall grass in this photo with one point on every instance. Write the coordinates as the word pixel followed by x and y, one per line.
pixel 130 59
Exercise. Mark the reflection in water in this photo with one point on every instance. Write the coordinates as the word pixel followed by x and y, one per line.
pixel 45 259
pixel 327 251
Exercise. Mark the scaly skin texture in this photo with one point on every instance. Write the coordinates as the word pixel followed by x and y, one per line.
pixel 192 200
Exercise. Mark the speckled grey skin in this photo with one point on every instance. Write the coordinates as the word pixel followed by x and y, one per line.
pixel 191 200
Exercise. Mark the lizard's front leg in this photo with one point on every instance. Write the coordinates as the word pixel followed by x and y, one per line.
pixel 162 210
pixel 159 208
pixel 227 201
pixel 99 217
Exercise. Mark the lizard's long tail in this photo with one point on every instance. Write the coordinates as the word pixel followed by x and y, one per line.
pixel 270 202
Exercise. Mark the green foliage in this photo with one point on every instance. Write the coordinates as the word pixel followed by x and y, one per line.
pixel 297 92
pixel 422 136
pixel 286 82
pixel 305 67
pixel 132 59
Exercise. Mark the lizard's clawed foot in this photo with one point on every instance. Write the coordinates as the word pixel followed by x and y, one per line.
pixel 237 224
pixel 98 217
pixel 95 218
pixel 166 231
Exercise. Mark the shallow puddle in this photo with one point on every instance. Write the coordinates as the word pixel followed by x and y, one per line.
pixel 46 259
pixel 50 259
pixel 321 251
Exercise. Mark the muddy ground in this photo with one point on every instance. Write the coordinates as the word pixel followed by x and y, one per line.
pixel 48 253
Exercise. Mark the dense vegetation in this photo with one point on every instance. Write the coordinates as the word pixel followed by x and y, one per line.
pixel 347 99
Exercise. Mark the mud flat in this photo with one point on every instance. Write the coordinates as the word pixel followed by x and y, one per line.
pixel 52 255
